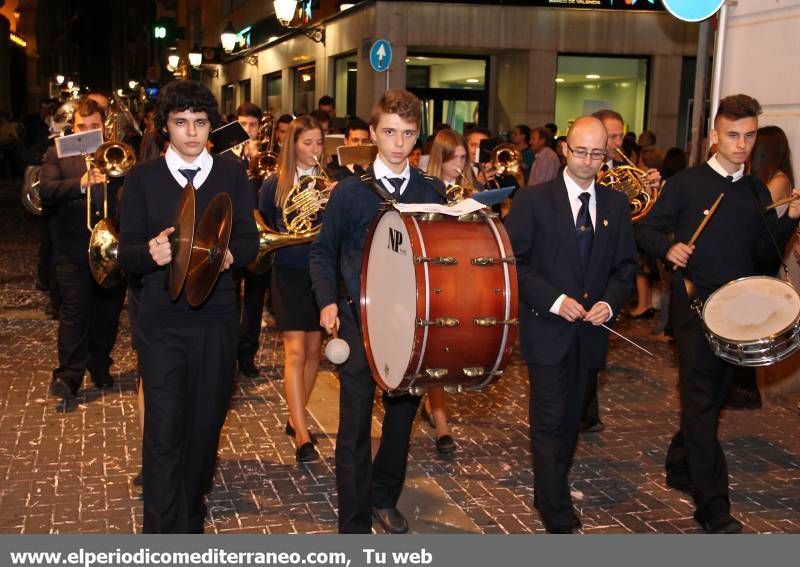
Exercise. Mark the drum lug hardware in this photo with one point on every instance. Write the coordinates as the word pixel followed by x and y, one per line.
pixel 437 290
pixel 490 261
pixel 492 322
pixel 436 260
pixel 440 322
pixel 470 217
pixel 453 388
pixel 485 382
pixel 436 373
pixel 429 217
pixel 473 371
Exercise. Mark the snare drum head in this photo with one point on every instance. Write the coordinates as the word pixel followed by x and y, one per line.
pixel 391 299
pixel 751 309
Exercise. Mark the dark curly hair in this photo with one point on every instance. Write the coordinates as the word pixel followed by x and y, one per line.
pixel 178 96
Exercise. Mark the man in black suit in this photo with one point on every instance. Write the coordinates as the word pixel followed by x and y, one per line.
pixel 576 260
pixel 89 314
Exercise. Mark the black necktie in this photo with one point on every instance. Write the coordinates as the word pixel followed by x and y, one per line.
pixel 729 178
pixel 189 174
pixel 397 183
pixel 584 230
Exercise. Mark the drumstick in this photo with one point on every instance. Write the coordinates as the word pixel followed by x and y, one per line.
pixel 784 201
pixel 703 224
pixel 607 328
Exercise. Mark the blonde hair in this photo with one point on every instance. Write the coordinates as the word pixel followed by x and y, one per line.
pixel 443 150
pixel 287 160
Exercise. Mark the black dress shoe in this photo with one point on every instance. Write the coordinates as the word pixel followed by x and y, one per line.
pixel 102 381
pixel 576 522
pixel 725 524
pixel 306 453
pixel 391 520
pixel 445 445
pixel 138 480
pixel 592 426
pixel 290 432
pixel 559 529
pixel 248 369
pixel 743 399
pixel 63 390
pixel 646 314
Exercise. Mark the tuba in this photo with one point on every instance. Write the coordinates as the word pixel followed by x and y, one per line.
pixel 301 216
pixel 265 162
pixel 630 180
pixel 506 159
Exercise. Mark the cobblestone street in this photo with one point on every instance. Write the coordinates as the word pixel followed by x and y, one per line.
pixel 67 468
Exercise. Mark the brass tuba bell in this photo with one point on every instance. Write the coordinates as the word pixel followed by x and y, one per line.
pixel 630 180
pixel 506 159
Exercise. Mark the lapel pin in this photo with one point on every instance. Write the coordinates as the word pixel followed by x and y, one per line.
pixel 605 222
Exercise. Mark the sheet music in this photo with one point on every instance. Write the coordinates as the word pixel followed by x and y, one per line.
pixel 464 207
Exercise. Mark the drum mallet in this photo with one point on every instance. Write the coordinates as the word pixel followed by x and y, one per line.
pixel 337 350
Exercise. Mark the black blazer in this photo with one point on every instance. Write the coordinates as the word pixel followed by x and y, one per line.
pixel 542 232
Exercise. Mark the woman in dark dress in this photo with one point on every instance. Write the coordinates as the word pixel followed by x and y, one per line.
pixel 294 306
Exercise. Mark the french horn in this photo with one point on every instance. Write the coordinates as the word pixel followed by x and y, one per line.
pixel 631 181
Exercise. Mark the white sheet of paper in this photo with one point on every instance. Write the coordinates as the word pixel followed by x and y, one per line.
pixel 462 208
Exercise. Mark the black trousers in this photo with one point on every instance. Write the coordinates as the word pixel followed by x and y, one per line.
pixel 88 323
pixel 591 405
pixel 188 377
pixel 556 405
pixel 695 455
pixel 362 483
pixel 255 289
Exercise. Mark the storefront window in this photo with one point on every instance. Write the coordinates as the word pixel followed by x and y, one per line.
pixel 271 94
pixel 304 85
pixel 587 84
pixel 345 76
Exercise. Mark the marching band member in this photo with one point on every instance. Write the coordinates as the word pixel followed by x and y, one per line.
pixel 366 488
pixel 734 239
pixel 576 261
pixel 89 314
pixel 293 302
pixel 187 354
pixel 356 134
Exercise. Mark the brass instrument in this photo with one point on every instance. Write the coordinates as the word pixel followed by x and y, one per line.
pixel 630 180
pixel 119 121
pixel 459 191
pixel 114 159
pixel 506 159
pixel 301 217
pixel 61 124
pixel 30 197
pixel 265 162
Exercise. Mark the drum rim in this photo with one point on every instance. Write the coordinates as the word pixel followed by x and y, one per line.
pixel 764 340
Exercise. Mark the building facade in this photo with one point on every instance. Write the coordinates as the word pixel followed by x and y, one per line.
pixel 497 64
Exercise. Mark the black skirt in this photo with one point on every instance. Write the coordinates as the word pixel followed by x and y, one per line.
pixel 293 302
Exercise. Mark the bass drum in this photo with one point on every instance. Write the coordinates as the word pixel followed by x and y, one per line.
pixel 438 301
pixel 753 321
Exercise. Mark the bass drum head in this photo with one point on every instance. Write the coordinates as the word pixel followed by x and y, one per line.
pixel 390 300
pixel 751 309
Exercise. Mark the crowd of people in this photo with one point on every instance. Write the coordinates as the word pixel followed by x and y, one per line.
pixel 560 208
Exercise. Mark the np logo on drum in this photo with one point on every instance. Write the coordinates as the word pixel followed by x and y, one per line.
pixel 396 240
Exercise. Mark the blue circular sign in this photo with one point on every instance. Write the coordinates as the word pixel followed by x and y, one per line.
pixel 380 55
pixel 692 10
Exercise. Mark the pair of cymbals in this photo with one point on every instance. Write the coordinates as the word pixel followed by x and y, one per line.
pixel 199 254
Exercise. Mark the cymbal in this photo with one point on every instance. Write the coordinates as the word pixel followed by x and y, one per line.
pixel 181 241
pixel 103 248
pixel 208 251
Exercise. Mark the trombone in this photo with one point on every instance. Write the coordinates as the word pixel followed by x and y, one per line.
pixel 265 162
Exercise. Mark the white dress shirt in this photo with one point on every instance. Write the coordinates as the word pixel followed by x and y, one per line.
pixel 714 164
pixel 203 162
pixel 574 191
pixel 382 173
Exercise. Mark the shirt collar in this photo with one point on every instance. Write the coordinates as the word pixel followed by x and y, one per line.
pixel 382 170
pixel 714 164
pixel 574 190
pixel 175 162
pixel 303 172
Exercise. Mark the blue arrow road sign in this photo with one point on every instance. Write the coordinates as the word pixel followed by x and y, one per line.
pixel 380 55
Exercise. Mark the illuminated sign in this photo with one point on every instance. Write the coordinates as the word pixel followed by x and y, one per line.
pixel 630 5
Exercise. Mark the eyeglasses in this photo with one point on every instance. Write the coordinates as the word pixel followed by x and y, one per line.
pixel 581 153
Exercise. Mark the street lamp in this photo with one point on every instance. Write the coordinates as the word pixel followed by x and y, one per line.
pixel 285 11
pixel 228 38
pixel 60 79
pixel 195 57
pixel 173 59
pixel 132 84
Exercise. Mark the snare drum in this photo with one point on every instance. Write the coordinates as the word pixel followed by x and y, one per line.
pixel 753 321
pixel 438 301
